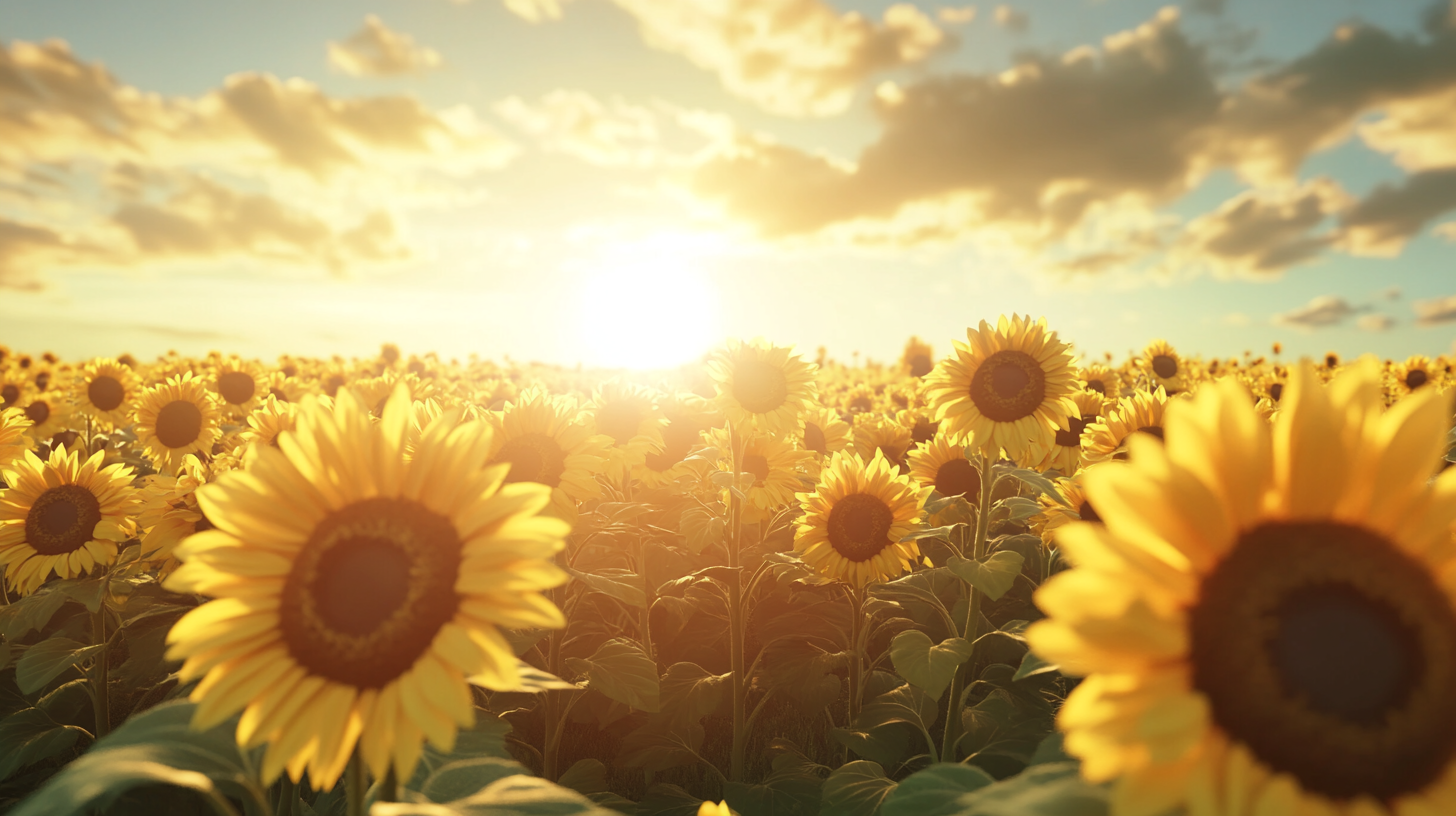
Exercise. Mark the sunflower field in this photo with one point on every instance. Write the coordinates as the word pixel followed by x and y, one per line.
pixel 1003 581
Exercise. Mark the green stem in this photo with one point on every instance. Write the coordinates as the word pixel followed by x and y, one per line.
pixel 100 677
pixel 735 625
pixel 952 733
pixel 856 628
pixel 647 592
pixel 552 701
pixel 388 786
pixel 287 793
pixel 355 785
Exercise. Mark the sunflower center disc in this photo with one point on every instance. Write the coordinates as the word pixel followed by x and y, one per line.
pixel 1097 385
pixel 369 590
pixel 1415 378
pixel 1009 385
pixel 236 387
pixel 1165 366
pixel 958 477
pixel 759 386
pixel 1086 512
pixel 814 439
pixel 105 393
pixel 859 526
pixel 924 431
pixel 1073 438
pixel 620 421
pixel 62 520
pixel 920 365
pixel 534 458
pixel 38 412
pixel 1331 654
pixel 8 395
pixel 677 441
pixel 757 464
pixel 179 423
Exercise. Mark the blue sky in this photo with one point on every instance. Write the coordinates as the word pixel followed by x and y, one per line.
pixel 587 187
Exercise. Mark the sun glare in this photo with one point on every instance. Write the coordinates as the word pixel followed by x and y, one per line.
pixel 646 313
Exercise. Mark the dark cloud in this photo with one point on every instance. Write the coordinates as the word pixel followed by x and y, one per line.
pixel 1014 20
pixel 1436 311
pixel 1264 232
pixel 1384 220
pixel 1322 312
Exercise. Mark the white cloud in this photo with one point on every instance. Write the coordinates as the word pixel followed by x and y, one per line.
pixel 376 50
pixel 1435 311
pixel 1376 322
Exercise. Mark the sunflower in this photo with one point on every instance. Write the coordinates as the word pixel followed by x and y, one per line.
pixel 1070 504
pixel 49 413
pixel 1103 380
pixel 628 415
pixel 775 464
pixel 883 434
pixel 105 391
pixel 169 511
pixel 13 385
pixel 1266 622
pixel 855 519
pixel 1163 366
pixel 1415 373
pixel 941 465
pixel 239 385
pixel 14 441
pixel 823 431
pixel 1008 389
pixel 546 441
pixel 762 387
pixel 687 415
pixel 63 516
pixel 920 422
pixel 271 418
pixel 1140 413
pixel 1065 455
pixel 176 418
pixel 357 591
pixel 918 359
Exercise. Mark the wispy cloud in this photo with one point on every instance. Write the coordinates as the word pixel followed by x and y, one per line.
pixel 1322 312
pixel 378 51
pixel 1435 311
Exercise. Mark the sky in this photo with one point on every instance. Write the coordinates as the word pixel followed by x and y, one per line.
pixel 625 183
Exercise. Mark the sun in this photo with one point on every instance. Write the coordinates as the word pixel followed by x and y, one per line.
pixel 648 308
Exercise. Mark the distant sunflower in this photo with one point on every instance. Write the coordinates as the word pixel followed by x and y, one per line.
pixel 63 517
pixel 49 414
pixel 1069 505
pixel 13 385
pixel 1413 374
pixel 271 418
pixel 854 520
pixel 176 418
pixel 775 464
pixel 358 592
pixel 105 392
pixel 762 387
pixel 239 384
pixel 1107 437
pixel 918 359
pixel 168 510
pixel 921 424
pixel 687 415
pixel 1265 620
pixel 14 441
pixel 1065 455
pixel 629 416
pixel 823 431
pixel 546 440
pixel 1164 367
pixel 883 434
pixel 942 465
pixel 1101 379
pixel 1008 389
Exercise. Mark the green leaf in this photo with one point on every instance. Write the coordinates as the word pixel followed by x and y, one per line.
pixel 855 789
pixel 534 680
pixel 882 730
pixel 30 613
pixel 45 661
pixel 658 746
pixel 30 735
pixel 518 795
pixel 619 584
pixel 623 672
pixel 1019 507
pixel 992 575
pixel 934 791
pixel 486 739
pixel 665 799
pixel 792 789
pixel 1030 478
pixel 88 592
pixel 1041 790
pixel 931 532
pixel 929 665
pixel 690 693
pixel 462 778
pixel 157 746
pixel 585 776
pixel 1033 665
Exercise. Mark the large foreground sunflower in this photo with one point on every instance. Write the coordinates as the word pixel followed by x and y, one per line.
pixel 1266 619
pixel 357 590
pixel 855 518
pixel 175 418
pixel 762 387
pixel 1007 389
pixel 63 516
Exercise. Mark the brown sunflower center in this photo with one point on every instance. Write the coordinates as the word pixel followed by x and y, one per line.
pixel 814 439
pixel 179 423
pixel 1155 431
pixel 958 477
pixel 1276 391
pixel 237 387
pixel 1072 438
pixel 369 590
pixel 1097 385
pixel 859 526
pixel 105 393
pixel 333 384
pixel 678 438
pixel 9 393
pixel 757 464
pixel 620 420
pixel 62 520
pixel 861 404
pixel 1165 365
pixel 1415 378
pixel 38 412
pixel 920 365
pixel 1331 654
pixel 924 431
pixel 534 458
pixel 1086 512
pixel 759 387
pixel 1009 385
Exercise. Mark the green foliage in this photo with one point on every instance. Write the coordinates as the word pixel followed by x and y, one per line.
pixel 926 664
pixel 992 575
pixel 855 789
pixel 622 671
pixel 45 661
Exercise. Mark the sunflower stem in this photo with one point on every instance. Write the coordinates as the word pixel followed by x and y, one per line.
pixel 286 794
pixel 388 787
pixel 552 698
pixel 952 732
pixel 100 676
pixel 355 785
pixel 735 622
pixel 856 629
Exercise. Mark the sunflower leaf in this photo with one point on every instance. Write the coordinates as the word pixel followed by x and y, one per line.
pixel 32 612
pixel 518 794
pixel 45 661
pixel 30 735
pixel 1033 665
pixel 1019 507
pixel 992 575
pixel 536 680
pixel 932 532
pixel 855 789
pixel 926 664
pixel 622 671
pixel 690 692
pixel 619 584
pixel 1030 478
pixel 934 791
